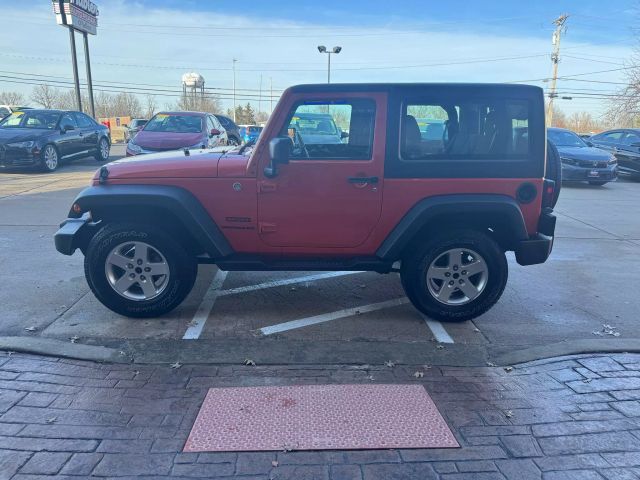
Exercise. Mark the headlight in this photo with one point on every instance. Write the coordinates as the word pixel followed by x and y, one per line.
pixel 568 161
pixel 612 160
pixel 134 147
pixel 29 144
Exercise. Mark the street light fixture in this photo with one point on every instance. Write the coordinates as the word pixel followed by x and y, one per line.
pixel 323 49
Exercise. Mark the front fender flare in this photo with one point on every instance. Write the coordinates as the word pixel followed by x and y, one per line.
pixel 180 202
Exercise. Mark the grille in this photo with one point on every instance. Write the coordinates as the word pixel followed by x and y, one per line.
pixel 592 164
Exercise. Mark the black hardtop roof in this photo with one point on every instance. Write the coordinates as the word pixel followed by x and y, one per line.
pixel 385 87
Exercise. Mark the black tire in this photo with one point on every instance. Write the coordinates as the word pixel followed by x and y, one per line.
pixel 182 266
pixel 413 274
pixel 554 169
pixel 597 184
pixel 46 164
pixel 100 155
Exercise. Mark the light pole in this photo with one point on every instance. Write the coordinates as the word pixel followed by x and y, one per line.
pixel 323 49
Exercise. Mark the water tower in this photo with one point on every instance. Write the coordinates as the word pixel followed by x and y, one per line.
pixel 192 85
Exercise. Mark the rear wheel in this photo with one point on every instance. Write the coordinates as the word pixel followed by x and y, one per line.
pixel 102 154
pixel 49 159
pixel 456 276
pixel 138 271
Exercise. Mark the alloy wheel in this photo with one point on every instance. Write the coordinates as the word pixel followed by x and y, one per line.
pixel 457 276
pixel 50 158
pixel 137 271
pixel 104 149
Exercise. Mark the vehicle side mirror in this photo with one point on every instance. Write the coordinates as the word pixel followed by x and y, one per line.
pixel 279 151
pixel 214 132
pixel 344 135
pixel 67 127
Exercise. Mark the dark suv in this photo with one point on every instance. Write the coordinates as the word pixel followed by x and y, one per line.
pixel 441 211
pixel 625 145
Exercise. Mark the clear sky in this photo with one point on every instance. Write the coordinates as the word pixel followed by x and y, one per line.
pixel 153 42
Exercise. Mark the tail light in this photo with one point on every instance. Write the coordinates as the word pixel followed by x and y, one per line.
pixel 548 193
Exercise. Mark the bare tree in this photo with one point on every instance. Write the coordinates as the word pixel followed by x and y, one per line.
pixel 199 103
pixel 11 98
pixel 45 95
pixel 152 106
pixel 583 122
pixel 559 118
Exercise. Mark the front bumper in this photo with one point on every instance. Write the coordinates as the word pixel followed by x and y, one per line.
pixel 18 157
pixel 72 234
pixel 537 248
pixel 573 173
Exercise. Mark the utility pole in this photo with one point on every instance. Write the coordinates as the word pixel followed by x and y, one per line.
pixel 234 89
pixel 260 96
pixel 555 59
pixel 87 63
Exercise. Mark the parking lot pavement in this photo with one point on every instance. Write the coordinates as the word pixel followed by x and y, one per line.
pixel 572 417
pixel 590 280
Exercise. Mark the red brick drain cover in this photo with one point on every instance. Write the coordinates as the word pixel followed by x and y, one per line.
pixel 318 417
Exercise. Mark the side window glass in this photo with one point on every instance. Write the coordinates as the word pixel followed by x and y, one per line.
pixel 83 121
pixel 613 137
pixel 631 138
pixel 466 129
pixel 332 130
pixel 67 119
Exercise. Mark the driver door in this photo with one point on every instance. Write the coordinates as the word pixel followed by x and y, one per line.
pixel 330 193
pixel 70 142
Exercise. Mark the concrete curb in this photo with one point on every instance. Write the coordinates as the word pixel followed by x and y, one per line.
pixel 570 347
pixel 58 348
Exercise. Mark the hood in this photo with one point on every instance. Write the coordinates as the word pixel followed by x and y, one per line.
pixel 584 153
pixel 14 134
pixel 321 139
pixel 167 140
pixel 175 164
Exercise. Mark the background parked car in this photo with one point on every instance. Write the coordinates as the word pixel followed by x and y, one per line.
pixel 317 128
pixel 6 110
pixel 625 145
pixel 176 130
pixel 133 128
pixel 233 131
pixel 44 138
pixel 249 133
pixel 580 161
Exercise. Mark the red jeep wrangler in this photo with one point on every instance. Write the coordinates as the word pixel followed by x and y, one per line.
pixel 436 181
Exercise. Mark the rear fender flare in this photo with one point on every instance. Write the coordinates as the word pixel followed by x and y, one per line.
pixel 428 209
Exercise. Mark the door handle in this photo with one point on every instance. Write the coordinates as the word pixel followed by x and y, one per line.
pixel 362 179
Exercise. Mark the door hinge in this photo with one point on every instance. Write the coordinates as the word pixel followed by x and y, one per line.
pixel 267 227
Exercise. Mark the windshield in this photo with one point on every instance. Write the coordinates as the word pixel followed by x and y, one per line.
pixel 46 120
pixel 563 138
pixel 316 125
pixel 164 122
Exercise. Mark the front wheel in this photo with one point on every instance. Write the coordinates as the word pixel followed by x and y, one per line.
pixel 102 154
pixel 49 159
pixel 138 271
pixel 456 276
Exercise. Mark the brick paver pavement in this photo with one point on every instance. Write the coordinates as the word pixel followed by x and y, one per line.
pixel 567 418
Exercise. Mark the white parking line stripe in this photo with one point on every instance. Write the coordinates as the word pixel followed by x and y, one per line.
pixel 286 281
pixel 208 301
pixel 439 333
pixel 326 317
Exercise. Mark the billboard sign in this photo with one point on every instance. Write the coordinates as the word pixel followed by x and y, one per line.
pixel 81 15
